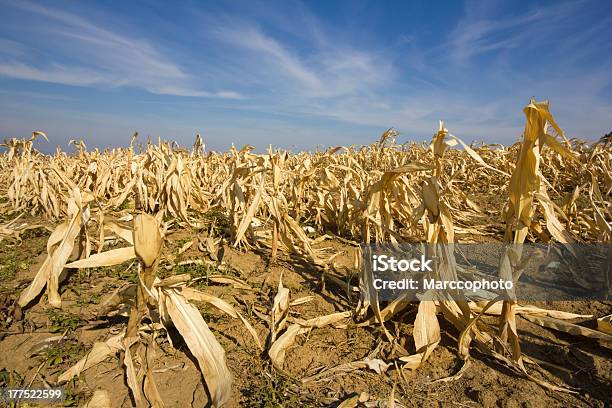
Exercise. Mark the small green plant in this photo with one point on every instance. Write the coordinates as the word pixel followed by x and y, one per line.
pixel 195 270
pixel 88 299
pixel 63 352
pixel 182 242
pixel 108 286
pixel 9 378
pixel 125 205
pixel 128 274
pixel 34 233
pixel 61 321
pixel 274 392
pixel 74 397
pixel 10 264
pixel 220 222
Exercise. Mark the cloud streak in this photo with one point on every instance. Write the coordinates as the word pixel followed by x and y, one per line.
pixel 253 71
pixel 99 57
pixel 324 69
pixel 480 32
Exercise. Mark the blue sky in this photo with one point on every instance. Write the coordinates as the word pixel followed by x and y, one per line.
pixel 300 74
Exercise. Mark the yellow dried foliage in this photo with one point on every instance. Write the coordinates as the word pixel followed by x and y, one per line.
pixel 556 189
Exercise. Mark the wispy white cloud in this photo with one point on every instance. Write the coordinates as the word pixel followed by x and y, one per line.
pixel 253 39
pixel 13 48
pixel 98 56
pixel 481 30
pixel 291 71
pixel 37 95
pixel 322 70
pixel 56 73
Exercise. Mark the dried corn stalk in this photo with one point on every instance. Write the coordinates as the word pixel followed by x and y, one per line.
pixel 172 299
pixel 527 186
pixel 383 192
pixel 59 248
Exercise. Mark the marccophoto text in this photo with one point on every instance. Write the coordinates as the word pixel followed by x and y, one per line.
pixel 385 263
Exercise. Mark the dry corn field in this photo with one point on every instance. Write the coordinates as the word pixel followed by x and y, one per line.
pixel 155 275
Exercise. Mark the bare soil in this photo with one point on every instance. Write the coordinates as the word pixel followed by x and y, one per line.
pixel 29 359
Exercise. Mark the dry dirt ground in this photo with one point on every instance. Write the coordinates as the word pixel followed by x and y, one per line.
pixel 45 342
